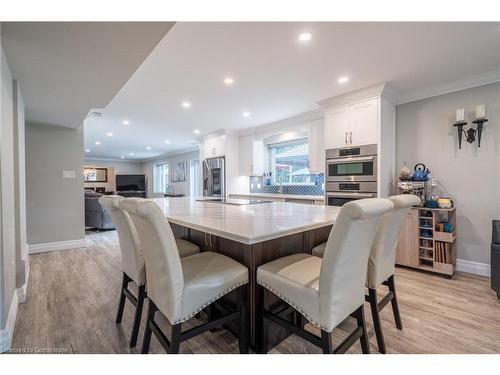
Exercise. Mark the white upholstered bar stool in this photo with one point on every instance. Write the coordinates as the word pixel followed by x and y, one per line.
pixel 381 263
pixel 326 290
pixel 132 260
pixel 178 287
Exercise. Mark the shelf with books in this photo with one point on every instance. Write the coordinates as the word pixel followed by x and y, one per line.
pixel 436 238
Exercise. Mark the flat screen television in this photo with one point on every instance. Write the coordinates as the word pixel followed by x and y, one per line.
pixel 130 182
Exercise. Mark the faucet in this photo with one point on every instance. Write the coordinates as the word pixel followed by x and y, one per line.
pixel 280 189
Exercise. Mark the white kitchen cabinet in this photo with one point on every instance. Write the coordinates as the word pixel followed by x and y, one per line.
pixel 258 151
pixel 363 122
pixel 316 147
pixel 336 127
pixel 251 156
pixel 365 116
pixel 214 146
pixel 246 156
pixel 354 124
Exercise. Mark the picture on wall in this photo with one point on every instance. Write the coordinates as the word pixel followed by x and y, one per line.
pixel 179 172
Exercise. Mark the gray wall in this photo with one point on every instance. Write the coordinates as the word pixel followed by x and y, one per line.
pixel 179 187
pixel 55 205
pixel 13 254
pixel 7 206
pixel 470 176
pixel 20 186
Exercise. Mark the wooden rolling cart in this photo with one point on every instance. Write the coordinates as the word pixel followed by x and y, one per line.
pixel 424 245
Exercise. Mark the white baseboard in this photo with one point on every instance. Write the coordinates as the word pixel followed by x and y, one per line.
pixel 476 268
pixel 7 333
pixel 54 246
pixel 21 292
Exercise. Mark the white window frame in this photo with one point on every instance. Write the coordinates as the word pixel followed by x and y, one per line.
pixel 271 161
pixel 160 186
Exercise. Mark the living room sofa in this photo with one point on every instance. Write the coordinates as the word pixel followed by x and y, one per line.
pixel 95 215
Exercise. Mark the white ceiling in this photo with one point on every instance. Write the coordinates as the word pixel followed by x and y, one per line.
pixel 65 68
pixel 276 76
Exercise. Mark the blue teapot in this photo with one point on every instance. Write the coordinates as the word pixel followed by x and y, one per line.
pixel 421 173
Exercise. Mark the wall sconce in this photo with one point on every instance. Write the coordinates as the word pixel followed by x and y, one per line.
pixel 470 134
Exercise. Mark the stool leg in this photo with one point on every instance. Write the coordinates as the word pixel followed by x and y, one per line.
pixel 121 303
pixel 326 342
pixel 365 343
pixel 244 333
pixel 138 315
pixel 394 303
pixel 212 315
pixel 265 335
pixel 175 339
pixel 261 340
pixel 372 297
pixel 147 331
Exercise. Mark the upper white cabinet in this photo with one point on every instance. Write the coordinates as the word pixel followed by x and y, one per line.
pixel 337 127
pixel 213 146
pixel 363 122
pixel 251 156
pixel 246 156
pixel 317 146
pixel 353 124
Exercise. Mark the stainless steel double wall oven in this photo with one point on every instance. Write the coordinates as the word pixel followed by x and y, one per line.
pixel 351 173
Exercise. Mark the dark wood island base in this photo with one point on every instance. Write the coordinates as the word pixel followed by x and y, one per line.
pixel 252 256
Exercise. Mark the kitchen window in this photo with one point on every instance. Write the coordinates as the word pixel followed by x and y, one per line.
pixel 289 163
pixel 160 177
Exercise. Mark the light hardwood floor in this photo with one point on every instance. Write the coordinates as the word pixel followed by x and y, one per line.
pixel 72 298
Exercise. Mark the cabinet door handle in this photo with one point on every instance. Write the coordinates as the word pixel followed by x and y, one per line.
pixel 350 138
pixel 345 138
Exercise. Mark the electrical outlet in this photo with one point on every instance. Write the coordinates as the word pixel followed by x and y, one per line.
pixel 69 174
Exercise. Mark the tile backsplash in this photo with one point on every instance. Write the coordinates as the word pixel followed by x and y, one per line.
pixel 316 189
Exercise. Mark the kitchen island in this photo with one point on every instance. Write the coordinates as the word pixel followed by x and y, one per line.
pixel 252 234
pixel 293 198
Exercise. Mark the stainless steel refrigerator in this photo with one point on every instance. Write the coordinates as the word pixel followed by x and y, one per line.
pixel 214 177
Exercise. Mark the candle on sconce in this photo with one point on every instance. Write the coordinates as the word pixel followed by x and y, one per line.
pixel 480 111
pixel 459 115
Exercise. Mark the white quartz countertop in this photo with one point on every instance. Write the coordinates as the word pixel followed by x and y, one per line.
pixel 247 224
pixel 281 196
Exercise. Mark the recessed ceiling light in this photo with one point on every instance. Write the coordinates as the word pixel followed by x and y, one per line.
pixel 109 134
pixel 246 114
pixel 131 153
pixel 122 157
pixel 126 122
pixel 305 37
pixel 148 148
pixel 196 131
pixel 228 81
pixel 167 141
pixel 186 104
pixel 343 79
pixel 87 150
pixel 98 143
